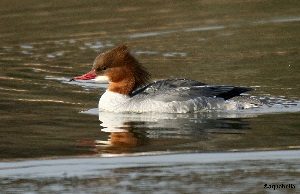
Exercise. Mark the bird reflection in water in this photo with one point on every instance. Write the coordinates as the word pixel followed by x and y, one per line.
pixel 123 133
pixel 116 141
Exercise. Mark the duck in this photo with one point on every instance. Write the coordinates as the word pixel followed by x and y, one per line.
pixel 130 89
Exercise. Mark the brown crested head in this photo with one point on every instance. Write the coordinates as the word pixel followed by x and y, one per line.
pixel 124 71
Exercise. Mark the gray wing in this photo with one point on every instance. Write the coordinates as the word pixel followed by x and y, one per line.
pixel 185 89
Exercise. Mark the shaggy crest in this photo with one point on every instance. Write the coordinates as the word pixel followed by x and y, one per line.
pixel 125 72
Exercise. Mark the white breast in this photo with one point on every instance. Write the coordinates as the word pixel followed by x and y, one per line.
pixel 112 101
pixel 115 102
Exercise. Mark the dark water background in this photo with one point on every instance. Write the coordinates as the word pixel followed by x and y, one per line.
pixel 253 43
pixel 246 43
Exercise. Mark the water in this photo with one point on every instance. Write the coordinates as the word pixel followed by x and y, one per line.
pixel 43 44
pixel 175 173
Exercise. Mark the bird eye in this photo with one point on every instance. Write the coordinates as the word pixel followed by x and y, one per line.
pixel 101 68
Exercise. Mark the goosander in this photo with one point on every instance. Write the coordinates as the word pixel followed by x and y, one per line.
pixel 129 89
